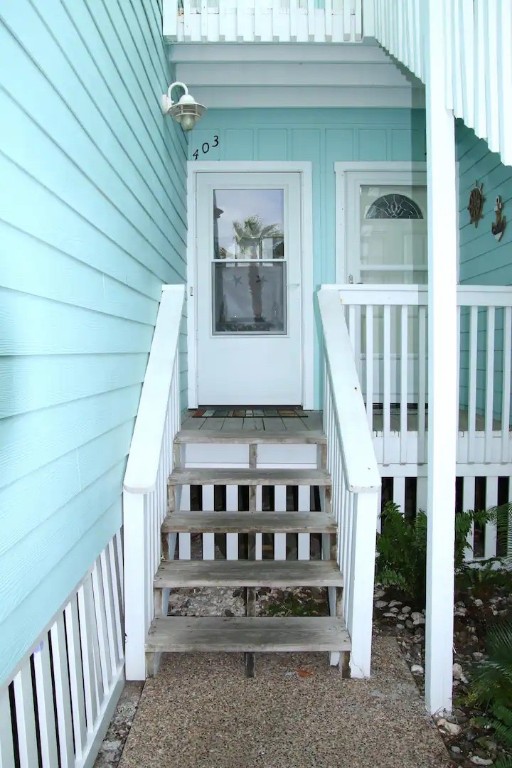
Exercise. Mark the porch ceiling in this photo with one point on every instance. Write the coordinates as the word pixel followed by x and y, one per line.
pixel 294 75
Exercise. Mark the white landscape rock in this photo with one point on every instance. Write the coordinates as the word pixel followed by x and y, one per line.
pixel 417 669
pixel 458 673
pixel 451 728
pixel 476 760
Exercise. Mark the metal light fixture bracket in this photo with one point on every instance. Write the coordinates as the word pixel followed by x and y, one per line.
pixel 186 111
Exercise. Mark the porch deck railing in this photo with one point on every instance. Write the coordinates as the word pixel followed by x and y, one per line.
pixel 355 478
pixel 145 483
pixel 479 54
pixel 265 21
pixel 388 332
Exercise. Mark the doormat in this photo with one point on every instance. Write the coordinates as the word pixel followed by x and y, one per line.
pixel 249 413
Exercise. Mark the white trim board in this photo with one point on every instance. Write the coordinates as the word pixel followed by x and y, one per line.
pixel 195 167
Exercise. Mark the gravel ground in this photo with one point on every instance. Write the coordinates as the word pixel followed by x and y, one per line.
pixel 297 712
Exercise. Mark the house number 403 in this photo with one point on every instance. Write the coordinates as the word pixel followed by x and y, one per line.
pixel 206 147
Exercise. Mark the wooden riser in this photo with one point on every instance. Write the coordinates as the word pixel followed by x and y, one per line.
pixel 222 634
pixel 248 573
pixel 249 522
pixel 204 436
pixel 250 477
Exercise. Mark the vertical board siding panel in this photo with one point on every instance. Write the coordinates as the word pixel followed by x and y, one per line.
pixel 98 588
pixel 45 710
pixel 62 693
pixel 373 144
pixel 468 503
pixel 202 141
pixel 232 538
pixel 506 386
pixel 491 500
pixel 6 742
pixel 304 539
pixel 489 383
pixel 240 143
pixel 272 144
pixel 208 538
pixel 117 581
pixel 280 538
pixel 25 718
pixel 86 643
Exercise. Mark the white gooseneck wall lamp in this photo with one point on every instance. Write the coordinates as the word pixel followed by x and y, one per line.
pixel 186 111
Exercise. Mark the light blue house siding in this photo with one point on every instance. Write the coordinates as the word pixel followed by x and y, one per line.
pixel 92 222
pixel 483 260
pixel 323 137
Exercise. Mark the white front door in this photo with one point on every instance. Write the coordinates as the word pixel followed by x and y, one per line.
pixel 385 242
pixel 248 273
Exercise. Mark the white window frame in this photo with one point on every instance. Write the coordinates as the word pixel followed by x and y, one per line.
pixel 194 167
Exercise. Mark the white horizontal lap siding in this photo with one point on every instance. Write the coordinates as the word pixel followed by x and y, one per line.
pixel 92 223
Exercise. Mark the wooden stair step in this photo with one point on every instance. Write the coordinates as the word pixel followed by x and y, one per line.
pixel 202 436
pixel 249 522
pixel 249 477
pixel 248 573
pixel 251 634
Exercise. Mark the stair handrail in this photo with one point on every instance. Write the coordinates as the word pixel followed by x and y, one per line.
pixel 145 484
pixel 144 456
pixel 355 478
pixel 362 470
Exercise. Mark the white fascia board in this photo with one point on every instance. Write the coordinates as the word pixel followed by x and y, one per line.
pixel 291 74
pixel 238 97
pixel 353 53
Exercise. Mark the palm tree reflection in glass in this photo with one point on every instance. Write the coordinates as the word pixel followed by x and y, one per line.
pixel 249 237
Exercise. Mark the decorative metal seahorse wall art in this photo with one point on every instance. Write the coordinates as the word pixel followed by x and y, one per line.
pixel 498 226
pixel 476 204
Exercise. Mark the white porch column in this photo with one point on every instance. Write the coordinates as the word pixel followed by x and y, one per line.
pixel 442 366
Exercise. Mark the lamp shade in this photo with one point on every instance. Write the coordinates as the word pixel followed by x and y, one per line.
pixel 186 111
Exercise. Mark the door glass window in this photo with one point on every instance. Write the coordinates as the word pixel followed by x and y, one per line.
pixel 249 262
pixel 393 234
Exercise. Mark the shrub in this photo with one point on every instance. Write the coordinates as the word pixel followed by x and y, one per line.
pixel 491 687
pixel 402 549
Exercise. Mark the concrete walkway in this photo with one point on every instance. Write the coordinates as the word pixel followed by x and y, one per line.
pixel 297 713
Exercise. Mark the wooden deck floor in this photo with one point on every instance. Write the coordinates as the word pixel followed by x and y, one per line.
pixel 312 421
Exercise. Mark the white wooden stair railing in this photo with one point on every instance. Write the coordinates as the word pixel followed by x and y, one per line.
pixel 478 43
pixel 145 484
pixel 355 478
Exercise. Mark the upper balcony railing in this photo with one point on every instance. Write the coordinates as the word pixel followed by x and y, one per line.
pixel 478 43
pixel 265 21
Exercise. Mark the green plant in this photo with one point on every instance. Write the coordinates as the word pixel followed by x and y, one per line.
pixel 402 549
pixel 491 687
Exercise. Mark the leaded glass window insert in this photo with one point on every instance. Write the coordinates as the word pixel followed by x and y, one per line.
pixel 394 206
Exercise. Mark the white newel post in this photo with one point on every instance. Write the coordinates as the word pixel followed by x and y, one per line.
pixel 135 579
pixel 442 366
